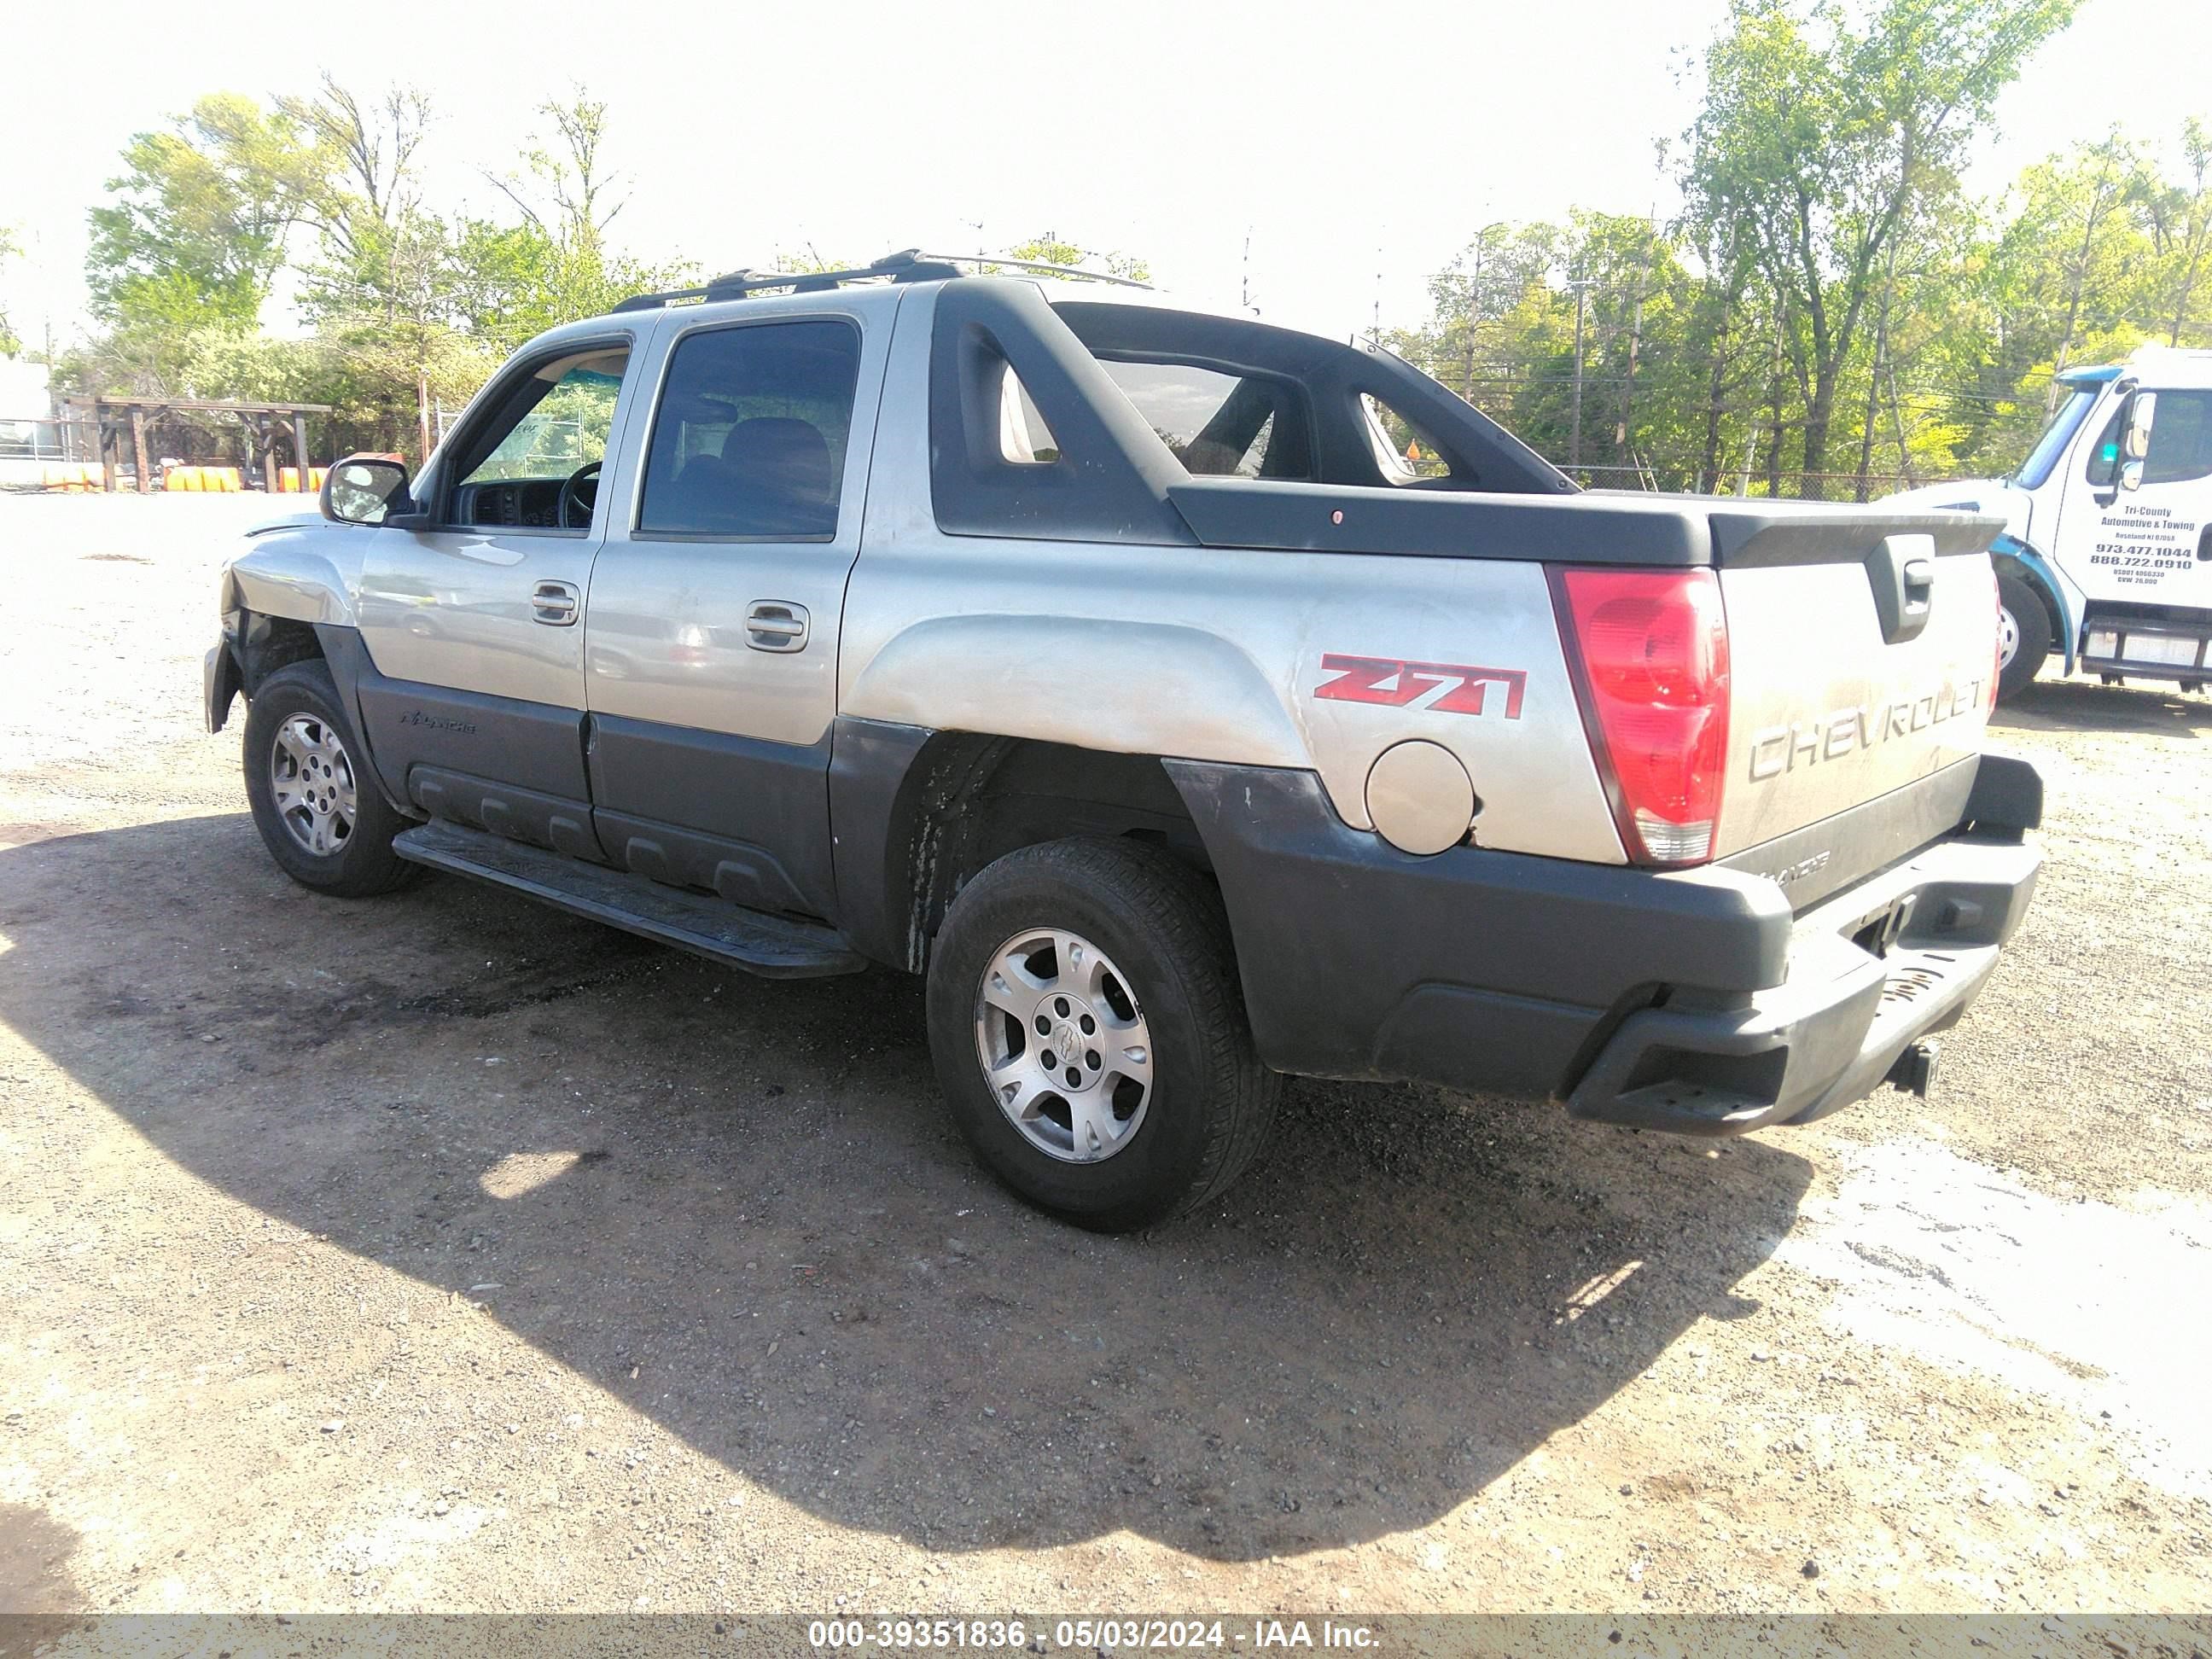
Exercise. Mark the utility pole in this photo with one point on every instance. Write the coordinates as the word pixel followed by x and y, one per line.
pixel 1635 334
pixel 1581 286
pixel 1474 299
pixel 1374 330
pixel 1474 311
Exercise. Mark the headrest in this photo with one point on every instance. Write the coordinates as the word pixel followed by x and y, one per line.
pixel 777 453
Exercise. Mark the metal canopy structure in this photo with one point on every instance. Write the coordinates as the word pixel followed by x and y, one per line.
pixel 105 421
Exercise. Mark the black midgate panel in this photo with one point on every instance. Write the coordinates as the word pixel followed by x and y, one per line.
pixel 741 816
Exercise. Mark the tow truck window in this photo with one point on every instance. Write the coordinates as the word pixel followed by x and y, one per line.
pixel 2180 438
pixel 2103 468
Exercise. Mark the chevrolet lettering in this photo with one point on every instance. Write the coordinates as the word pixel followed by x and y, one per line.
pixel 1781 747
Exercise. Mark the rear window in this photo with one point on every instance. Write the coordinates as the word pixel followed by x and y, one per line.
pixel 1218 424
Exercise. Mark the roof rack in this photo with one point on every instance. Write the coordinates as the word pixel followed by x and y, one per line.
pixel 907 265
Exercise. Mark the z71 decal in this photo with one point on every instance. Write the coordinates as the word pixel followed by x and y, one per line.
pixel 1401 685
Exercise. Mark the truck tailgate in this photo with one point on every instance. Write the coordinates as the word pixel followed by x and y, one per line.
pixel 1862 647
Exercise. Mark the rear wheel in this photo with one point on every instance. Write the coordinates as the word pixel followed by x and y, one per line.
pixel 1089 1031
pixel 2023 636
pixel 318 811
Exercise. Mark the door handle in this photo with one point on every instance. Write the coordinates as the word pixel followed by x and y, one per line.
pixel 555 603
pixel 776 625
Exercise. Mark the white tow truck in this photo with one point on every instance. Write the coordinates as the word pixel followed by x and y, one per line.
pixel 2106 554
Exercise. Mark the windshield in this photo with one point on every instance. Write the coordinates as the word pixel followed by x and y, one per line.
pixel 2055 436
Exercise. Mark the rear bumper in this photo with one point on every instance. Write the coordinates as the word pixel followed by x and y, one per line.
pixel 1688 1000
pixel 1871 973
pixel 2171 648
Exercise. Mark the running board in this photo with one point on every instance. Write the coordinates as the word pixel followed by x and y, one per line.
pixel 777 947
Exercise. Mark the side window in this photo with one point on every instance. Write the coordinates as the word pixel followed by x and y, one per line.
pixel 2103 469
pixel 1403 452
pixel 532 461
pixel 1024 438
pixel 750 436
pixel 557 423
pixel 2180 438
pixel 1218 424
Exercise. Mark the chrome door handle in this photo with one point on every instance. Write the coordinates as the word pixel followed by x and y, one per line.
pixel 776 625
pixel 555 603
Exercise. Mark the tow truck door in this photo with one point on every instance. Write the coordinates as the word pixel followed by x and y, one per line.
pixel 2130 551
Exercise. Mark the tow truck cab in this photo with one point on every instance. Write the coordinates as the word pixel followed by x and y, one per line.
pixel 2107 555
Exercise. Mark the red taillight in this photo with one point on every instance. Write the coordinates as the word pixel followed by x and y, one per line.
pixel 1650 654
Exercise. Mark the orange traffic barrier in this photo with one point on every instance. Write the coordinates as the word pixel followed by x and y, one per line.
pixel 287 479
pixel 76 479
pixel 202 480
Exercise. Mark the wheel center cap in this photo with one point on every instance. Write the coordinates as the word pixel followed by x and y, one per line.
pixel 1066 1041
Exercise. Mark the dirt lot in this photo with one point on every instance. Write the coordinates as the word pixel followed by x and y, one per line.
pixel 441 1252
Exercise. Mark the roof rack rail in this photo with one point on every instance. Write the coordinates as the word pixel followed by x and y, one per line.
pixel 906 265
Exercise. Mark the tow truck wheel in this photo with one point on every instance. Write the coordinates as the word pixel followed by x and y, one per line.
pixel 2023 637
pixel 1090 1036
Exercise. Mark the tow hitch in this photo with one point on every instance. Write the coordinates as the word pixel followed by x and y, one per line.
pixel 1915 1071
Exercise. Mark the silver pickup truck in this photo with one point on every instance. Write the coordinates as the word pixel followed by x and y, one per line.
pixel 1107 662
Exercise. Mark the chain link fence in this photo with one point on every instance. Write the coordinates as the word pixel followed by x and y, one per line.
pixel 1792 486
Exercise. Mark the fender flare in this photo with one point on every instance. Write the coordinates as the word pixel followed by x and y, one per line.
pixel 2016 559
pixel 296 583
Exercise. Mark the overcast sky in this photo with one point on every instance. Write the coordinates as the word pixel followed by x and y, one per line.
pixel 1360 144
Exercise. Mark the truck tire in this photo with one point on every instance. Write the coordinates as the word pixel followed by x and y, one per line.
pixel 320 814
pixel 2024 636
pixel 1090 1033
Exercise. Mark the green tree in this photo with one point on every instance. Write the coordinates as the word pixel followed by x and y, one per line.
pixel 2180 214
pixel 196 231
pixel 568 195
pixel 1050 250
pixel 10 343
pixel 1825 141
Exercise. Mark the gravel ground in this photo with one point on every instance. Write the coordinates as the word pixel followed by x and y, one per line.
pixel 440 1252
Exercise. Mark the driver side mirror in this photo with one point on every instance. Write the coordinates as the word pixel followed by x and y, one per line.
pixel 369 489
pixel 2134 436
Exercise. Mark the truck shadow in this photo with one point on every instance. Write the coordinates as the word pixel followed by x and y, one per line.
pixel 737 1206
pixel 2083 705
pixel 38 1594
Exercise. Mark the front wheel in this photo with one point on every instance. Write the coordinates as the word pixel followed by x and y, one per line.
pixel 317 810
pixel 1088 1029
pixel 2023 637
